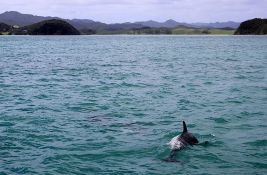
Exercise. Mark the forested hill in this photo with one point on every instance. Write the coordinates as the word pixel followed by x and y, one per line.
pixel 255 26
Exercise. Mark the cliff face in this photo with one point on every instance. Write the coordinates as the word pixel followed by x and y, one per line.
pixel 255 26
pixel 51 27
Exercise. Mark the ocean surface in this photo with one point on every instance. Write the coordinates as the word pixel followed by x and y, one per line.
pixel 110 104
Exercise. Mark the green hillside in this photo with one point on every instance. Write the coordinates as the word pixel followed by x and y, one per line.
pixel 197 31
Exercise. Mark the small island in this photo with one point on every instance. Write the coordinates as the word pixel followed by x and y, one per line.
pixel 255 26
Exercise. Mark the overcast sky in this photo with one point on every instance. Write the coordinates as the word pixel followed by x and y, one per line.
pixel 111 11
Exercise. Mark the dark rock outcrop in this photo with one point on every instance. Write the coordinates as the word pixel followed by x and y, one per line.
pixel 255 26
pixel 51 27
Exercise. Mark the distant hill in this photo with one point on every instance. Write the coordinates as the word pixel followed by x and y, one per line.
pixel 229 24
pixel 167 24
pixel 150 23
pixel 82 24
pixel 254 26
pixel 51 27
pixel 172 24
pixel 16 18
pixel 120 26
pixel 25 23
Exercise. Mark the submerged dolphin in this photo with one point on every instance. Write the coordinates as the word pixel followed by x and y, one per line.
pixel 181 141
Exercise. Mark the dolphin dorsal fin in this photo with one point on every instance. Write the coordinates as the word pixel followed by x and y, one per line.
pixel 184 127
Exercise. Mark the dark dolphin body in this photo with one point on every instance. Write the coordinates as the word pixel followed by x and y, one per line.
pixel 181 141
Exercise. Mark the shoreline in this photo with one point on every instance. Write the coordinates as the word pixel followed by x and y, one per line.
pixel 135 35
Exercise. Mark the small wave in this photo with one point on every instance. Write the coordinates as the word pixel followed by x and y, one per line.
pixel 219 120
pixel 208 83
pixel 241 77
pixel 210 157
pixel 234 101
pixel 6 124
pixel 41 96
pixel 231 60
pixel 257 164
pixel 235 90
pixel 184 101
pixel 257 143
pixel 248 114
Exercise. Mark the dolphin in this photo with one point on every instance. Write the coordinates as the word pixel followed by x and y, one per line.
pixel 181 141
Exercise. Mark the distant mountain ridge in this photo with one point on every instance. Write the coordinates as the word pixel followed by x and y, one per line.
pixel 168 24
pixel 230 24
pixel 16 18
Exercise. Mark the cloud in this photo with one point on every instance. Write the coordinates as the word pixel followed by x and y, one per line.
pixel 137 10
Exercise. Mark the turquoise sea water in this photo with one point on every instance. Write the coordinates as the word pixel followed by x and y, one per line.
pixel 109 104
